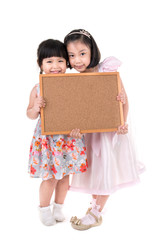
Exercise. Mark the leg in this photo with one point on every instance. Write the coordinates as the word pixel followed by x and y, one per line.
pixel 60 195
pixel 101 201
pixel 45 193
pixel 93 216
pixel 94 196
pixel 46 190
pixel 61 190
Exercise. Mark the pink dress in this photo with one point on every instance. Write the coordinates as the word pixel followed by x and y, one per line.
pixel 112 160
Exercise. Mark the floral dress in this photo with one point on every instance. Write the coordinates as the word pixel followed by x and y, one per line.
pixel 55 156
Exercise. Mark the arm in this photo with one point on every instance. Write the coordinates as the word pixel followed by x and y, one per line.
pixel 123 129
pixel 125 105
pixel 35 104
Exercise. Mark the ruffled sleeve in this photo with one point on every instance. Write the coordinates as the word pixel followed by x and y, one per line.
pixel 109 64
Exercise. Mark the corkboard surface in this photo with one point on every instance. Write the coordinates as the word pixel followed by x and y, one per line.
pixel 86 101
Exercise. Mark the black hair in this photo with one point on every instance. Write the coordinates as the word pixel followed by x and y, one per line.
pixel 88 40
pixel 51 48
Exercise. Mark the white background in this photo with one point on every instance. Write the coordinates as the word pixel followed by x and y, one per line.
pixel 128 30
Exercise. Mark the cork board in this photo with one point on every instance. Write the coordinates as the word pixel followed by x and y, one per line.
pixel 86 101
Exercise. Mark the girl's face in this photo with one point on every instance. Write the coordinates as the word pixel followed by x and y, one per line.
pixel 54 65
pixel 79 55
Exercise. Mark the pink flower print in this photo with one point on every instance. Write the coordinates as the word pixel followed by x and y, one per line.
pixel 44 144
pixel 32 170
pixel 57 153
pixel 36 153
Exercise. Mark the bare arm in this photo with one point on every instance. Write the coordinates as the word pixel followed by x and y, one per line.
pixel 123 129
pixel 125 104
pixel 35 104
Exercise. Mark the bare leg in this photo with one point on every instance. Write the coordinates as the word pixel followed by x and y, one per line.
pixel 94 196
pixel 61 190
pixel 101 201
pixel 45 192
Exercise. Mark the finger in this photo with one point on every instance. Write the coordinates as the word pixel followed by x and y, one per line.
pixel 79 135
pixel 74 133
pixel 71 133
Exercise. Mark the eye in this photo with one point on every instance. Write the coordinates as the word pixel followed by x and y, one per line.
pixel 60 61
pixel 71 56
pixel 49 61
pixel 83 53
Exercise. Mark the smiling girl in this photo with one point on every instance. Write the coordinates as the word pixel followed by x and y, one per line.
pixel 112 162
pixel 52 157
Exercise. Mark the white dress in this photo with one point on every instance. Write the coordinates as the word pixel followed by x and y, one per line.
pixel 112 160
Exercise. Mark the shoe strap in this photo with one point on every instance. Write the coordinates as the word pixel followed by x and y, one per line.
pixel 93 215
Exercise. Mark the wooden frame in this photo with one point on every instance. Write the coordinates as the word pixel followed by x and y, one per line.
pixel 86 101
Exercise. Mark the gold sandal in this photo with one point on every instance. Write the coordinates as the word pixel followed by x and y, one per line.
pixel 77 224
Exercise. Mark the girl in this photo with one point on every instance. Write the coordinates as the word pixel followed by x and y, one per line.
pixel 111 157
pixel 53 158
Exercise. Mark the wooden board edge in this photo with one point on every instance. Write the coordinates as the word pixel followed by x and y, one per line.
pixel 120 103
pixel 83 131
pixel 42 111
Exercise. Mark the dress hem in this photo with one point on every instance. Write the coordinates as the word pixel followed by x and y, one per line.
pixel 94 192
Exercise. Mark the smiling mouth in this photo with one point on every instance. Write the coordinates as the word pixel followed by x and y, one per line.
pixel 81 66
pixel 55 72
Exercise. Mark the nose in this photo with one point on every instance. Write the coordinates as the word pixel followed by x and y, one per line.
pixel 54 65
pixel 77 59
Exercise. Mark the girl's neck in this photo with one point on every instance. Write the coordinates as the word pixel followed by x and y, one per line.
pixel 94 69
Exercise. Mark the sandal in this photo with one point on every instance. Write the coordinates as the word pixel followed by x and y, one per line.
pixel 77 224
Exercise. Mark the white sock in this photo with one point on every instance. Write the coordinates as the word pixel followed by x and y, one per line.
pixel 88 219
pixel 46 216
pixel 57 212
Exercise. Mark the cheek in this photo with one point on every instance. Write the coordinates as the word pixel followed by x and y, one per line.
pixel 64 69
pixel 71 61
pixel 89 59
